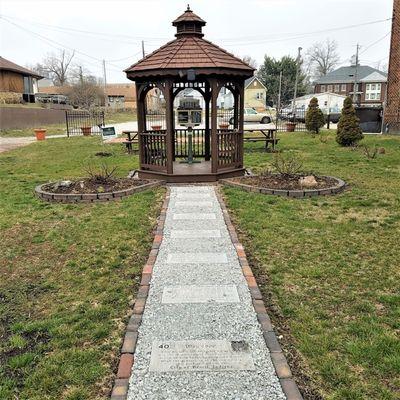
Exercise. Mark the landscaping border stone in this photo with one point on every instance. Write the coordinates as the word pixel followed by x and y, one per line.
pixel 92 197
pixel 126 361
pixel 296 194
pixel 282 369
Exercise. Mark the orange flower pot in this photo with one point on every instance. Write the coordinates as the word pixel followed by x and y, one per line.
pixel 86 130
pixel 40 134
pixel 290 126
pixel 156 127
pixel 223 126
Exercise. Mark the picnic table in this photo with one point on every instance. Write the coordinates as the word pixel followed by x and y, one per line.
pixel 132 137
pixel 268 135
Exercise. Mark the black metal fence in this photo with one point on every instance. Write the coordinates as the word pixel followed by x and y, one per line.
pixel 156 120
pixel 289 121
pixel 84 122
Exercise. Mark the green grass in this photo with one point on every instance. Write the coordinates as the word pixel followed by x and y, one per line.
pixel 329 267
pixel 68 273
pixel 61 129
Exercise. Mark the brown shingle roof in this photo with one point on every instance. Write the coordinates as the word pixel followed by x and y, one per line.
pixel 189 52
pixel 188 15
pixel 7 65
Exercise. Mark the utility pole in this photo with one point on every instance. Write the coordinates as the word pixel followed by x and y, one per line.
pixel 297 79
pixel 355 86
pixel 80 75
pixel 105 82
pixel 143 53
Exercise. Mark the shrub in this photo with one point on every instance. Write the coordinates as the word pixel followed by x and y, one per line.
pixel 349 132
pixel 286 165
pixel 314 117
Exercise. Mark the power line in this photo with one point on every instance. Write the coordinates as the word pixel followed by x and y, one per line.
pixel 376 42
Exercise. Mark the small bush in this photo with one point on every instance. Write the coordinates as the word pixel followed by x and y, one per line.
pixel 286 165
pixel 102 174
pixel 314 117
pixel 349 132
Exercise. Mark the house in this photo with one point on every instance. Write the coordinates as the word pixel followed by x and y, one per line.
pixel 371 84
pixel 392 107
pixel 329 103
pixel 189 93
pixel 121 95
pixel 255 94
pixel 18 80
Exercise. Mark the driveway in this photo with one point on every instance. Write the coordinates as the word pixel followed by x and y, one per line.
pixel 10 143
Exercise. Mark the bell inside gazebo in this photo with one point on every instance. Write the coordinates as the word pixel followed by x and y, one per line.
pixel 191 144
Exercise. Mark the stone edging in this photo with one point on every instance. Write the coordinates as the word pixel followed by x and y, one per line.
pixel 282 369
pixel 121 384
pixel 298 194
pixel 91 197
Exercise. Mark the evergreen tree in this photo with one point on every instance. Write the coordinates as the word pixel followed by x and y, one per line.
pixel 348 129
pixel 314 117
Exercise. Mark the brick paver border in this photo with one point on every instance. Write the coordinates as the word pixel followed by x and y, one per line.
pixel 92 197
pixel 298 194
pixel 126 361
pixel 282 369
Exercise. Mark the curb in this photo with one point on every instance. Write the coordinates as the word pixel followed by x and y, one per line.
pixel 126 360
pixel 296 194
pixel 279 361
pixel 92 197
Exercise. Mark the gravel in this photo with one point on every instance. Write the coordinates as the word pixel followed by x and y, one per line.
pixel 200 321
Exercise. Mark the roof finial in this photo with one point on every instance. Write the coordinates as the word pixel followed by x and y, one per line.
pixel 188 8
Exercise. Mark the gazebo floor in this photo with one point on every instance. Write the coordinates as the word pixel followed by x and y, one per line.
pixel 196 172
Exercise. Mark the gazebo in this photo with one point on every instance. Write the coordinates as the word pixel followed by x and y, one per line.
pixel 190 62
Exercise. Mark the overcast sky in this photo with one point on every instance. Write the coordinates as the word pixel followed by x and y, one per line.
pixel 113 29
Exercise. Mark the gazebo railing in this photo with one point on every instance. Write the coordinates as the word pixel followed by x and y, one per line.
pixel 153 150
pixel 229 149
pixel 181 143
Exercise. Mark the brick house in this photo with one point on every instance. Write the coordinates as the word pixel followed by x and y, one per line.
pixel 18 80
pixel 392 109
pixel 371 84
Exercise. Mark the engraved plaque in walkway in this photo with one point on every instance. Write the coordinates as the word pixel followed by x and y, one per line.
pixel 197 258
pixel 191 203
pixel 194 216
pixel 196 234
pixel 200 355
pixel 200 294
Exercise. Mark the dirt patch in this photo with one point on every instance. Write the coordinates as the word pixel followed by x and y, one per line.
pixel 87 186
pixel 285 182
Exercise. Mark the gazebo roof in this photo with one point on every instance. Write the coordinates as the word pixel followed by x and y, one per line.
pixel 188 51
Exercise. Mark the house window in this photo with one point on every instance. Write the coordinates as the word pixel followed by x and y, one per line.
pixel 330 88
pixel 322 88
pixel 259 95
pixel 373 91
pixel 343 87
pixel 337 88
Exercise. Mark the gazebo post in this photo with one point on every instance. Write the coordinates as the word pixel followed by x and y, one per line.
pixel 169 111
pixel 241 121
pixel 214 125
pixel 207 123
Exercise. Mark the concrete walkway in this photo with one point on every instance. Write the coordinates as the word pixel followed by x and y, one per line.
pixel 199 337
pixel 10 143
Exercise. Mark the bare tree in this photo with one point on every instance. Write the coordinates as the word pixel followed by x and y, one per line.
pixel 86 95
pixel 322 57
pixel 251 61
pixel 57 66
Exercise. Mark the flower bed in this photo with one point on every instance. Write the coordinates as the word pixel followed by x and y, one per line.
pixel 288 186
pixel 86 191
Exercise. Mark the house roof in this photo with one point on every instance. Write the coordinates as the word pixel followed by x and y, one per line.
pixel 189 50
pixel 346 74
pixel 121 89
pixel 7 65
pixel 375 77
pixel 310 96
pixel 249 81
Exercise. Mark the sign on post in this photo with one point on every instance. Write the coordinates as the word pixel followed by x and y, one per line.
pixel 108 133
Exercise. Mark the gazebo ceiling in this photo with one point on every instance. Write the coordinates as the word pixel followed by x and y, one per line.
pixel 189 51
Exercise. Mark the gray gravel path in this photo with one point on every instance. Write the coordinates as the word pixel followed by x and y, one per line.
pixel 223 354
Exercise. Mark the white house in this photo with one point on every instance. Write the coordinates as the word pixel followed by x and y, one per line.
pixel 326 101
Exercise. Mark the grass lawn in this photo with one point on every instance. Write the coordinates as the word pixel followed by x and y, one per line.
pixel 68 274
pixel 61 129
pixel 329 267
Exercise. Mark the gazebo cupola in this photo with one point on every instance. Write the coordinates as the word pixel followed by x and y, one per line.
pixel 190 63
pixel 189 24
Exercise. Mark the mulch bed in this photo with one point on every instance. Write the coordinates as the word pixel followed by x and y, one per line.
pixel 284 182
pixel 86 186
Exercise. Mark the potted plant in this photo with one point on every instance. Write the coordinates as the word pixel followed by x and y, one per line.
pixel 40 133
pixel 224 125
pixel 156 127
pixel 86 130
pixel 290 126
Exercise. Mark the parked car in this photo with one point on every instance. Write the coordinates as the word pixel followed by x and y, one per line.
pixel 251 115
pixel 287 114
